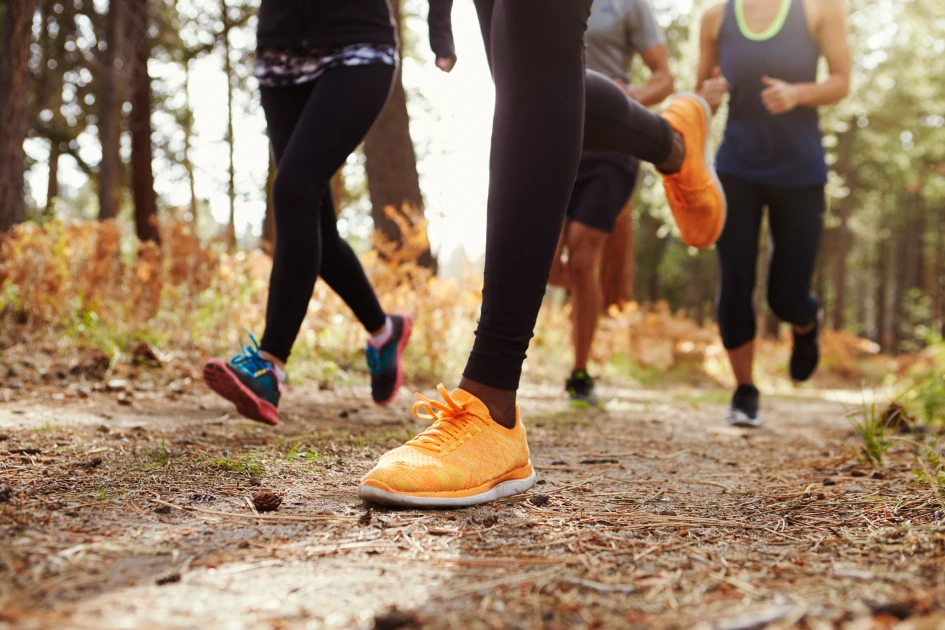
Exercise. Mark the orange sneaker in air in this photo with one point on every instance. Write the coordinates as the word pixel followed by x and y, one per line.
pixel 464 459
pixel 694 193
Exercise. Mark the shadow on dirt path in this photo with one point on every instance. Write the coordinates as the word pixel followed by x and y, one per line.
pixel 648 513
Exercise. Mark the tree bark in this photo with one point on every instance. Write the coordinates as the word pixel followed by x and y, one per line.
pixel 391 164
pixel 14 72
pixel 840 266
pixel 142 169
pixel 228 69
pixel 269 220
pixel 109 115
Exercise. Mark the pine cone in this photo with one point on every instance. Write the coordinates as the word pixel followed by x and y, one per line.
pixel 266 501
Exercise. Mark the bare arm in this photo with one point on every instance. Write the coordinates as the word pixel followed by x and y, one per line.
pixel 661 81
pixel 710 84
pixel 441 34
pixel 831 34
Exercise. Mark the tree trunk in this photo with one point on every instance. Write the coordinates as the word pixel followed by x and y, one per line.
pixel 109 115
pixel 142 170
pixel 188 144
pixel 841 252
pixel 228 69
pixel 269 220
pixel 391 165
pixel 938 312
pixel 52 187
pixel 14 73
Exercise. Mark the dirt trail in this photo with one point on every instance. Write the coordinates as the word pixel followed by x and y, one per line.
pixel 649 513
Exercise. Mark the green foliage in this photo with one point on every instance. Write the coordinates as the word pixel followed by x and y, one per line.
pixel 873 430
pixel 245 464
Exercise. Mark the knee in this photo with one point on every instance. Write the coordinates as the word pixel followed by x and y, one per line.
pixel 792 308
pixel 583 260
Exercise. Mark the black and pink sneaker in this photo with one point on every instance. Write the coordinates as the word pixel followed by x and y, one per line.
pixel 249 381
pixel 385 362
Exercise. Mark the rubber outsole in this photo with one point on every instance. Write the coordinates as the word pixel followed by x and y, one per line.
pixel 401 346
pixel 498 491
pixel 738 418
pixel 221 380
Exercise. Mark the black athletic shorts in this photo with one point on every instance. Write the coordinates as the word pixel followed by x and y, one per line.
pixel 603 186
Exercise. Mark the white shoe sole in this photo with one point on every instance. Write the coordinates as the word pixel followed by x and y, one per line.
pixel 709 160
pixel 738 418
pixel 499 491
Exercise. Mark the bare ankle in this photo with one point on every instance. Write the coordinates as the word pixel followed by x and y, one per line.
pixel 499 402
pixel 673 163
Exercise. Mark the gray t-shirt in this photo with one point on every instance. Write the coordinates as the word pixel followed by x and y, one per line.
pixel 616 31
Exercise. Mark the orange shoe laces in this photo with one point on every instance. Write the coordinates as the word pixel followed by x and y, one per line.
pixel 449 420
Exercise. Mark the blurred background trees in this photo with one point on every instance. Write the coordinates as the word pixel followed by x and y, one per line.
pixel 102 91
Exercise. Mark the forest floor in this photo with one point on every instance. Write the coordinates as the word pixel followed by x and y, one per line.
pixel 127 505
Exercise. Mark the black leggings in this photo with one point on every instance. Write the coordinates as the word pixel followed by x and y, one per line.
pixel 796 217
pixel 313 128
pixel 536 52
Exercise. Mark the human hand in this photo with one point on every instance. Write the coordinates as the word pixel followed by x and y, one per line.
pixel 445 63
pixel 714 89
pixel 779 97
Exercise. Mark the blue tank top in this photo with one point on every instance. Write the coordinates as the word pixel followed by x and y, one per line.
pixel 784 150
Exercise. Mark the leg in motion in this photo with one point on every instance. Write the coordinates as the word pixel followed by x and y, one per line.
pixel 313 128
pixel 796 216
pixel 389 334
pixel 476 449
pixel 585 245
pixel 738 256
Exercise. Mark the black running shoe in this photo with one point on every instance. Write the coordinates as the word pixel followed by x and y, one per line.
pixel 387 369
pixel 580 387
pixel 744 409
pixel 806 353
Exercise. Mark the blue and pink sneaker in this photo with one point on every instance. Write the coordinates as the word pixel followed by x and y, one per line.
pixel 249 381
pixel 385 361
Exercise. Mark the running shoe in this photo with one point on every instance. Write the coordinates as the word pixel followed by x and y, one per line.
pixel 744 409
pixel 694 193
pixel 465 458
pixel 385 362
pixel 249 381
pixel 806 352
pixel 580 386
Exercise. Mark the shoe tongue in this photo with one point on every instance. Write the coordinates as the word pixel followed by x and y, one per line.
pixel 473 405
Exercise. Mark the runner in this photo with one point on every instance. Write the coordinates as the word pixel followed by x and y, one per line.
pixel 617 31
pixel 325 70
pixel 772 155
pixel 476 450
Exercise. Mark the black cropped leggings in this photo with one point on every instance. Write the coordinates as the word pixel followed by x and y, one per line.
pixel 796 218
pixel 313 128
pixel 547 110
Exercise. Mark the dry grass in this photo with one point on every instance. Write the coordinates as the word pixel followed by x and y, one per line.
pixel 85 284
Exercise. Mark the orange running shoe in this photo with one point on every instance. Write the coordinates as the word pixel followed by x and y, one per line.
pixel 464 459
pixel 694 193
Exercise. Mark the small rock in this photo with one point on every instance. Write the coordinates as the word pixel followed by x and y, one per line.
pixel 343 414
pixel 4 437
pixel 162 509
pixel 266 501
pixel 829 482
pixel 365 518
pixel 559 462
pixel 394 619
pixel 243 544
pixel 854 489
pixel 117 384
pixel 58 396
pixel 857 473
pixel 821 496
pixel 15 385
pixel 939 515
pixel 95 462
pixel 254 481
pixel 123 399
pixel 170 578
pixel 540 500
pixel 145 354
pixel 6 493
pixel 483 516
pixel 203 498
pixel 877 475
